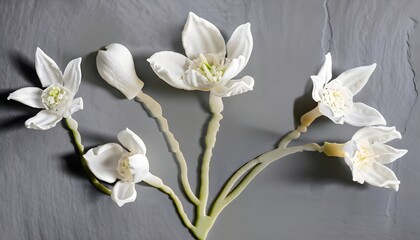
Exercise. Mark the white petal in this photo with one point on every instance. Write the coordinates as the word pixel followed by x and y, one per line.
pixel 240 43
pixel 328 112
pixel 318 86
pixel 76 105
pixel 234 67
pixel 30 96
pixel 103 161
pixel 325 73
pixel 356 78
pixel 73 75
pixel 116 67
pixel 358 176
pixel 234 87
pixel 43 120
pixel 139 167
pixel 377 134
pixel 131 141
pixel 47 70
pixel 350 149
pixel 202 37
pixel 361 114
pixel 170 67
pixel 381 176
pixel 197 81
pixel 387 154
pixel 123 192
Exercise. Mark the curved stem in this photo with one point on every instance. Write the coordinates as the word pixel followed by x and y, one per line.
pixel 295 134
pixel 156 182
pixel 73 125
pixel 235 177
pixel 262 162
pixel 305 122
pixel 216 107
pixel 307 119
pixel 156 110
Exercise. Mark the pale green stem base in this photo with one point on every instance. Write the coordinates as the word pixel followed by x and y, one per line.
pixel 156 110
pixel 216 107
pixel 203 227
pixel 73 125
pixel 156 182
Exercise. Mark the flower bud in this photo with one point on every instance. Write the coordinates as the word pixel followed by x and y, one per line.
pixel 116 66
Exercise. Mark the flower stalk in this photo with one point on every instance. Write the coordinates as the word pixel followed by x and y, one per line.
pixel 156 111
pixel 216 107
pixel 73 127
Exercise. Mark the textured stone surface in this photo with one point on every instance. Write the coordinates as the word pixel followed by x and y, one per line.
pixel 45 195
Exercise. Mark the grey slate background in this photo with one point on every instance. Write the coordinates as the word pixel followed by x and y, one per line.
pixel 45 195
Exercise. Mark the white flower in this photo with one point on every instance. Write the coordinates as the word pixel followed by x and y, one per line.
pixel 116 66
pixel 207 67
pixel 366 153
pixel 335 97
pixel 111 161
pixel 57 99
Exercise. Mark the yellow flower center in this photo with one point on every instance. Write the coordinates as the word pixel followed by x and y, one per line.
pixel 212 70
pixel 124 169
pixel 337 99
pixel 363 158
pixel 55 96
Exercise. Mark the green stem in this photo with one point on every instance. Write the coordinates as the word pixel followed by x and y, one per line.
pixel 295 134
pixel 235 177
pixel 73 125
pixel 305 122
pixel 216 107
pixel 156 182
pixel 265 160
pixel 156 110
pixel 257 165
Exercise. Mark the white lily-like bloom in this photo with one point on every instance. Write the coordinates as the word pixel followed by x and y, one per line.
pixel 57 99
pixel 128 163
pixel 366 153
pixel 210 64
pixel 335 97
pixel 116 67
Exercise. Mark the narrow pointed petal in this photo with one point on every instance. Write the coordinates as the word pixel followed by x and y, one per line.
pixel 76 105
pixel 123 192
pixel 44 120
pixel 131 141
pixel 377 134
pixel 116 67
pixel 381 176
pixel 318 85
pixel 356 78
pixel 139 167
pixel 387 154
pixel 30 96
pixel 47 70
pixel 196 81
pixel 240 44
pixel 103 161
pixel 325 73
pixel 362 115
pixel 328 112
pixel 170 67
pixel 234 87
pixel 73 75
pixel 202 37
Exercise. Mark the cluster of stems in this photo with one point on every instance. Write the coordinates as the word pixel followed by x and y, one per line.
pixel 204 219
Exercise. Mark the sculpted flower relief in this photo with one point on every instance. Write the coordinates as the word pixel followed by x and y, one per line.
pixel 57 99
pixel 210 64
